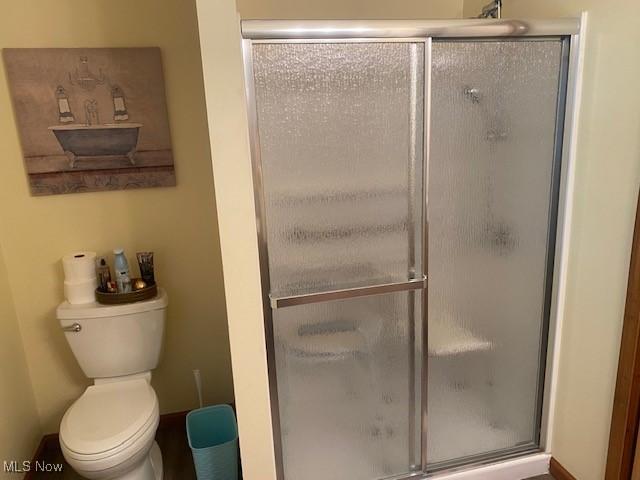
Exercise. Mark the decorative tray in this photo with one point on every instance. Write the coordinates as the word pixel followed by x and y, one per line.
pixel 119 298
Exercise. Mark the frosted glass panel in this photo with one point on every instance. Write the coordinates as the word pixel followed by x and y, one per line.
pixel 345 376
pixel 490 176
pixel 340 129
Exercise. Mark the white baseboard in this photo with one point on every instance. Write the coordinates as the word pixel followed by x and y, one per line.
pixel 515 469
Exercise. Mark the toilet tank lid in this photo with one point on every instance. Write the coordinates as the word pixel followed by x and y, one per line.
pixel 67 311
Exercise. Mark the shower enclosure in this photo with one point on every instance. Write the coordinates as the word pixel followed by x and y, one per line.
pixel 407 179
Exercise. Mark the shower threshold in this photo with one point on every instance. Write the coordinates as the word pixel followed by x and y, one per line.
pixel 516 467
pixel 487 458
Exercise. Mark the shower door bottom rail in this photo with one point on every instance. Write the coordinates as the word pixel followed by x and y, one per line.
pixel 307 298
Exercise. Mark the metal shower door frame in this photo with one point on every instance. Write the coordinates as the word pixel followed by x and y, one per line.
pixel 414 31
pixel 554 236
pixel 271 302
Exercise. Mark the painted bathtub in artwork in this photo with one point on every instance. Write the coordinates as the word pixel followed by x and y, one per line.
pixel 86 141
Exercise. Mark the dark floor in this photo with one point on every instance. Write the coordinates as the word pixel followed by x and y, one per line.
pixel 176 456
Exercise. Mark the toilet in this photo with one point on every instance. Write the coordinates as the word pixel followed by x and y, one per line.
pixel 109 432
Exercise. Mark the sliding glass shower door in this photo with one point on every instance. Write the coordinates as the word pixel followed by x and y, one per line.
pixel 492 193
pixel 407 195
pixel 341 153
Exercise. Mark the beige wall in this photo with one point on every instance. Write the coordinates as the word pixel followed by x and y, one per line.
pixel 179 224
pixel 222 65
pixel 472 8
pixel 19 422
pixel 329 9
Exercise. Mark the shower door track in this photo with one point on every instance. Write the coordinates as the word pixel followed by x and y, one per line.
pixel 422 31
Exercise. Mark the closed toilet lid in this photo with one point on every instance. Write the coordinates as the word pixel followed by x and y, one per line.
pixel 107 415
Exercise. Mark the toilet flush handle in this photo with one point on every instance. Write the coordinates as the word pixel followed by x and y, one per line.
pixel 74 327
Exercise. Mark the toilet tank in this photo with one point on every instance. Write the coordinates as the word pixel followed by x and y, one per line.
pixel 115 340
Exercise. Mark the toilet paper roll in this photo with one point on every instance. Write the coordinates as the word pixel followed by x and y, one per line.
pixel 79 266
pixel 81 292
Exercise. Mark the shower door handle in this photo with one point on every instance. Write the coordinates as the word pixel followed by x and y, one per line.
pixel 307 298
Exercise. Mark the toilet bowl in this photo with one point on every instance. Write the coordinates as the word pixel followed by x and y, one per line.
pixel 109 432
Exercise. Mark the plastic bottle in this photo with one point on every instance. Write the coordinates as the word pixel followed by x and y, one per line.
pixel 104 274
pixel 121 267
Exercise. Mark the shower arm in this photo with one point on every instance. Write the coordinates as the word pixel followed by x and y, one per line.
pixel 492 10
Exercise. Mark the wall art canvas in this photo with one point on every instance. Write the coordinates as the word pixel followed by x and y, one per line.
pixel 91 119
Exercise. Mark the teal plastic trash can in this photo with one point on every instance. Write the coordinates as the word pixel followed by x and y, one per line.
pixel 213 438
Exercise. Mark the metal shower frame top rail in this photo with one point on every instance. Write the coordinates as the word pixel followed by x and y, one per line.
pixel 323 29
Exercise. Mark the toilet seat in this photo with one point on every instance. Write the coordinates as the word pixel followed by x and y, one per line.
pixel 110 423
